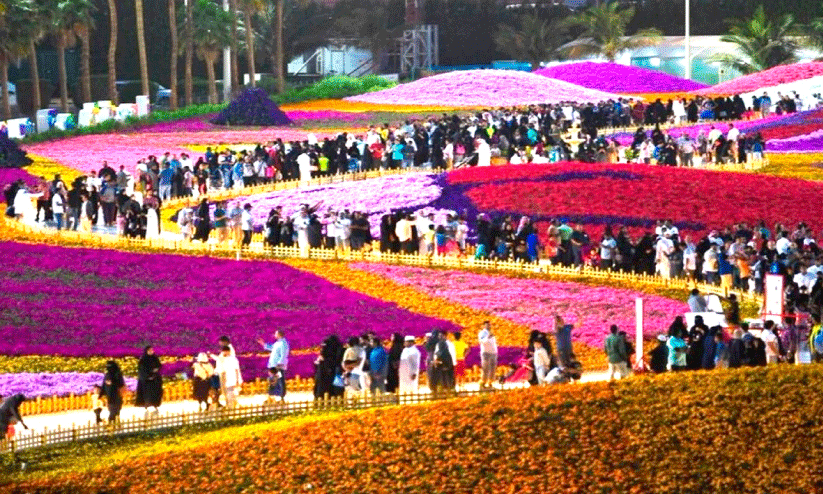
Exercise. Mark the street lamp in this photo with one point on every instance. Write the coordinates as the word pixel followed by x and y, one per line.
pixel 688 41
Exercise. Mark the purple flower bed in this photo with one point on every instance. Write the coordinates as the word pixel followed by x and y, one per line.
pixel 375 197
pixel 812 142
pixel 33 385
pixel 82 302
pixel 616 78
pixel 252 107
pixel 197 123
pixel 10 175
pixel 483 89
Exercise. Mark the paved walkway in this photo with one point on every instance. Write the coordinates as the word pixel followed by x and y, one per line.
pixel 77 418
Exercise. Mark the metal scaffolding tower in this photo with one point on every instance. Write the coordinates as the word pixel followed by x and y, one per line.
pixel 420 44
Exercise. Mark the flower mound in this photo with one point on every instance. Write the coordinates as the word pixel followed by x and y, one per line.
pixel 778 75
pixel 82 302
pixel 375 197
pixel 11 156
pixel 642 435
pixel 484 88
pixel 810 142
pixel 616 78
pixel 252 107
pixel 58 384
pixel 534 302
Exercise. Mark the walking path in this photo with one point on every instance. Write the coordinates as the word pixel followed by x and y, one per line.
pixel 78 418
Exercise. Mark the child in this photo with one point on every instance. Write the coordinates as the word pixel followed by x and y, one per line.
pixel 97 403
pixel 274 385
pixel 429 237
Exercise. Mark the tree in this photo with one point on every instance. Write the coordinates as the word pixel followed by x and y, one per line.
pixel 188 29
pixel 761 44
pixel 14 42
pixel 279 59
pixel 372 27
pixel 235 78
pixel 535 41
pixel 174 50
pixel 249 7
pixel 72 19
pixel 112 52
pixel 40 20
pixel 141 46
pixel 209 36
pixel 287 30
pixel 604 32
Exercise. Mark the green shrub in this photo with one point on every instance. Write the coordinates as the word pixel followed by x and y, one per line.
pixel 335 87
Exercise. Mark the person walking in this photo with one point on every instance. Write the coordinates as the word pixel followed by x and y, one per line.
pixel 378 366
pixel 615 347
pixel 228 368
pixel 202 371
pixel 278 358
pixel 149 381
pixel 409 367
pixel 488 355
pixel 113 387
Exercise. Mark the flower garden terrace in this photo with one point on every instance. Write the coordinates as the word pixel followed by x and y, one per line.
pixel 508 432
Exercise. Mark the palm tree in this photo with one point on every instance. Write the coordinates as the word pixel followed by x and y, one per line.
pixel 40 17
pixel 279 59
pixel 249 7
pixel 72 19
pixel 14 42
pixel 536 41
pixel 761 42
pixel 174 50
pixel 112 53
pixel 604 32
pixel 235 78
pixel 141 47
pixel 209 36
pixel 188 29
pixel 371 28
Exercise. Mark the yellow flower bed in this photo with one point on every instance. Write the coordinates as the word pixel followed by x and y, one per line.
pixel 808 166
pixel 733 431
pixel 45 167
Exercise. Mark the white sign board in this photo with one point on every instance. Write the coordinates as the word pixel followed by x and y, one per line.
pixel 773 292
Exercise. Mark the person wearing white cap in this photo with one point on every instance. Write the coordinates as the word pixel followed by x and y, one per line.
pixel 202 371
pixel 409 369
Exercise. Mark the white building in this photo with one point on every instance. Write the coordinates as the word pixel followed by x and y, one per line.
pixel 334 59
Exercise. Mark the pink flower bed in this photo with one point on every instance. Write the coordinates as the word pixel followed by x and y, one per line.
pixel 483 88
pixel 86 153
pixel 534 302
pixel 617 78
pixel 772 77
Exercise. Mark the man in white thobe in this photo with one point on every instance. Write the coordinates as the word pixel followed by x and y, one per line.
pixel 409 370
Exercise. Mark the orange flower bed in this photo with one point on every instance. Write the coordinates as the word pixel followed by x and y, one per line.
pixel 744 431
pixel 356 107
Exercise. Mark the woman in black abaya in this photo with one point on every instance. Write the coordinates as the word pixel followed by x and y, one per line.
pixel 149 382
pixel 393 377
pixel 112 389
pixel 204 222
pixel 327 367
